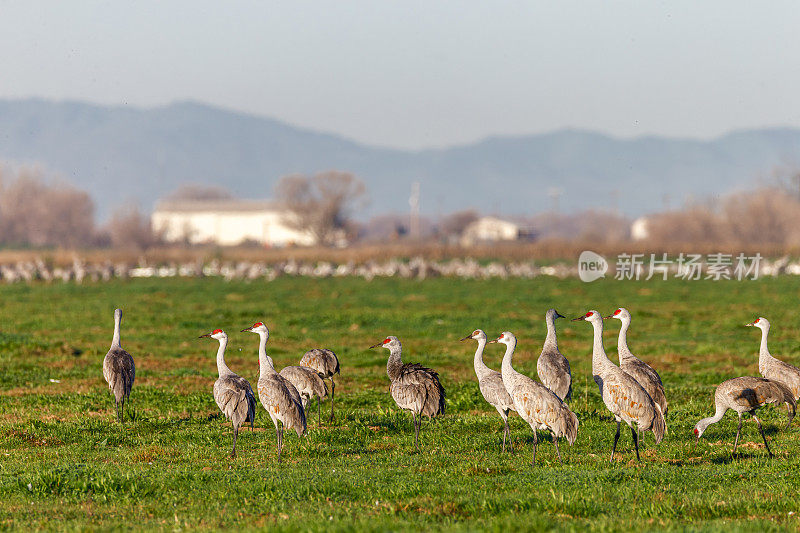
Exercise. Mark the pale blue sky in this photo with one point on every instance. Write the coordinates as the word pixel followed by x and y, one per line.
pixel 420 73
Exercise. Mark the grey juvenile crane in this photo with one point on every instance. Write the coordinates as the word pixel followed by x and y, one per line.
pixel 490 383
pixel 277 394
pixel 325 363
pixel 746 395
pixel 308 384
pixel 635 367
pixel 552 367
pixel 772 368
pixel 535 403
pixel 233 393
pixel 119 370
pixel 623 395
pixel 414 387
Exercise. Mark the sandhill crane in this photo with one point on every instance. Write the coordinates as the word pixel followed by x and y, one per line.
pixel 325 363
pixel 308 384
pixel 745 395
pixel 536 404
pixel 635 367
pixel 552 367
pixel 277 394
pixel 623 395
pixel 772 368
pixel 233 393
pixel 490 383
pixel 119 370
pixel 414 387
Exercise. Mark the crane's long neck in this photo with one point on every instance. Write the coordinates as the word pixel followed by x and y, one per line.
pixel 507 370
pixel 550 342
pixel 481 369
pixel 395 363
pixel 265 363
pixel 115 341
pixel 599 357
pixel 763 351
pixel 622 341
pixel 718 414
pixel 222 368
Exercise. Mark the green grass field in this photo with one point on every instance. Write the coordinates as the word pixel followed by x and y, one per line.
pixel 65 463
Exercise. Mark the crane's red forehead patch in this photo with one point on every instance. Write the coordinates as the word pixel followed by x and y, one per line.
pixel 258 324
pixel 387 341
pixel 588 314
pixel 216 331
pixel 618 311
pixel 695 431
pixel 475 332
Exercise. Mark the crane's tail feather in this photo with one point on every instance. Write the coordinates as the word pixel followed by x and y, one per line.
pixel 572 427
pixel 663 415
pixel 659 425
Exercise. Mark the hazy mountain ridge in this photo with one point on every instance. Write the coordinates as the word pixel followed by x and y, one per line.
pixel 123 154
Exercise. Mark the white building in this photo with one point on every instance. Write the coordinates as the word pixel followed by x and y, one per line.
pixel 640 229
pixel 226 222
pixel 492 229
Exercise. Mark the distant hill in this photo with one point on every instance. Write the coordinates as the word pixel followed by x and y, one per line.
pixel 122 154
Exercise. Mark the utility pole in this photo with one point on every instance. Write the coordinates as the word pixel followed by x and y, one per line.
pixel 413 201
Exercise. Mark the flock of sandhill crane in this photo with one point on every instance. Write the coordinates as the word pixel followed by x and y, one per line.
pixel 632 391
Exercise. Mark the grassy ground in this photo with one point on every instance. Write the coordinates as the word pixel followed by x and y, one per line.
pixel 65 464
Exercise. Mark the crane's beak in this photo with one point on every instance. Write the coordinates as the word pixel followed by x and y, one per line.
pixel 206 335
pixel 559 315
pixel 247 329
pixel 607 317
pixel 578 318
pixel 466 338
pixel 495 340
pixel 753 323
pixel 376 345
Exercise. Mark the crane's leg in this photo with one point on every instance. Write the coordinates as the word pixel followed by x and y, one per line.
pixel 116 409
pixel 535 442
pixel 791 416
pixel 636 443
pixel 235 434
pixel 333 393
pixel 505 433
pixel 417 424
pixel 738 430
pixel 558 454
pixel 616 439
pixel 122 411
pixel 761 430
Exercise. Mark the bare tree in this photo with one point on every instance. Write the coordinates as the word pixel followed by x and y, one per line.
pixel 199 191
pixel 455 223
pixel 129 228
pixel 36 213
pixel 321 204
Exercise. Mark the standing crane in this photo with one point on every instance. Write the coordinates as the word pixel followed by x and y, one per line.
pixel 119 370
pixel 746 395
pixel 325 363
pixel 540 407
pixel 308 384
pixel 773 368
pixel 490 383
pixel 233 393
pixel 414 387
pixel 623 395
pixel 635 367
pixel 552 367
pixel 277 394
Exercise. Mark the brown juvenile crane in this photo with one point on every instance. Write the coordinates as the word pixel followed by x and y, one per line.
pixel 773 368
pixel 277 394
pixel 622 394
pixel 635 367
pixel 325 363
pixel 414 387
pixel 746 395
pixel 119 370
pixel 233 393
pixel 552 366
pixel 490 383
pixel 540 407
